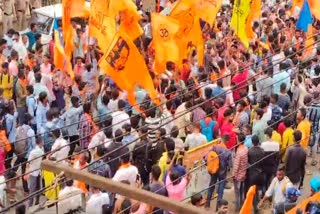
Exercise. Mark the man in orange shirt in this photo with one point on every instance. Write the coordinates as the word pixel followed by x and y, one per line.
pixel 304 126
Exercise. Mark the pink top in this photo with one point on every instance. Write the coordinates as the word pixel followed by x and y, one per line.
pixel 78 70
pixel 46 69
pixel 176 192
pixel 13 68
pixel 2 158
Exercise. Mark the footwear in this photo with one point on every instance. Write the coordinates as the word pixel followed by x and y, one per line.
pixel 314 162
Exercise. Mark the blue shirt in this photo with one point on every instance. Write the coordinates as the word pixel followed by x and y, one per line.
pixel 31 142
pixel 11 124
pixel 32 38
pixel 103 109
pixel 278 79
pixel 248 141
pixel 41 117
pixel 217 91
pixel 31 105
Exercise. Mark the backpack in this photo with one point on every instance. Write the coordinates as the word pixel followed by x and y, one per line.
pixel 213 162
pixel 276 113
pixel 21 144
pixel 207 130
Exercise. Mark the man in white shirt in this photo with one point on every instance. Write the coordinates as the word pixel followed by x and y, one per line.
pixel 18 46
pixel 96 201
pixel 120 117
pixel 60 148
pixel 126 171
pixel 35 159
pixel 70 198
pixel 195 139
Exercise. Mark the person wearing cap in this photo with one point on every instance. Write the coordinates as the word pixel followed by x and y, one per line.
pixel 292 195
pixel 6 81
pixel 314 185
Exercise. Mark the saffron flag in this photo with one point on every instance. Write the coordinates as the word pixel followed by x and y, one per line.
pixel 296 6
pixel 190 30
pixel 303 204
pixel 254 15
pixel 102 25
pixel 241 9
pixel 59 54
pixel 305 17
pixel 164 29
pixel 248 203
pixel 207 9
pixel 315 8
pixel 126 67
pixel 309 44
pixel 129 22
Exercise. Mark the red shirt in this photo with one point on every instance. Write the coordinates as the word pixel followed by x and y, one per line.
pixel 220 118
pixel 239 80
pixel 226 129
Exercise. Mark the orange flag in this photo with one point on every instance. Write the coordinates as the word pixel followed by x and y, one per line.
pixel 315 8
pixel 309 44
pixel 248 203
pixel 129 22
pixel 303 204
pixel 189 30
pixel 207 9
pixel 102 25
pixel 127 68
pixel 164 29
pixel 253 15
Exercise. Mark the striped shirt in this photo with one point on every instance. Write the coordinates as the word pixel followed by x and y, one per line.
pixel 152 124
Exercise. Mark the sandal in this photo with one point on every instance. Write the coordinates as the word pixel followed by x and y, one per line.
pixel 314 162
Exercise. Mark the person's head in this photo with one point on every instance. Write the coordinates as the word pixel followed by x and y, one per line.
pixel 174 132
pixel 241 138
pixel 56 133
pixel 125 158
pixel 75 101
pixel 155 172
pixel 121 105
pixel 5 67
pixel 161 133
pixel 83 158
pixel 114 93
pixel 46 58
pixel 196 128
pixel 314 185
pixel 21 209
pixel 100 151
pixel 21 74
pixel 79 60
pixel 38 37
pixel 228 115
pixel 287 122
pixel 169 144
pixel 87 108
pixel 208 92
pixel 196 199
pixel 27 119
pixel 43 97
pixel 37 77
pixel 223 207
pixel 170 66
pixel 280 173
pixel 297 135
pixel 14 55
pixel 39 141
pixel 118 135
pixel 258 113
pixel 283 88
pixel 33 27
pixel 108 132
pixel 126 129
pixel 268 133
pixel 30 89
pixel 247 129
pixel 292 194
pixel 3 44
pixel 225 139
pixel 255 140
pixel 241 105
pixel 274 98
pixel 301 115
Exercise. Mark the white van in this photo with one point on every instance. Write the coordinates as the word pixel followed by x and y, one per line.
pixel 44 17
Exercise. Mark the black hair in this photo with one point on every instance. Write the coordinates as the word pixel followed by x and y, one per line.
pixel 255 140
pixel 297 136
pixel 118 135
pixel 268 132
pixel 170 145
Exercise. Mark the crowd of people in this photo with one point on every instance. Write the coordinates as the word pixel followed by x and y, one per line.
pixel 261 105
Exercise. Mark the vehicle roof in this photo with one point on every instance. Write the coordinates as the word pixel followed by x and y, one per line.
pixel 53 10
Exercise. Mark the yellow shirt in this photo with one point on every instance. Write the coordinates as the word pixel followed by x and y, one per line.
pixel 49 178
pixel 276 137
pixel 163 164
pixel 305 128
pixel 6 82
pixel 287 140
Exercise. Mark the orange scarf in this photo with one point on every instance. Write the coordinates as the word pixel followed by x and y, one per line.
pixel 23 82
pixel 125 165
